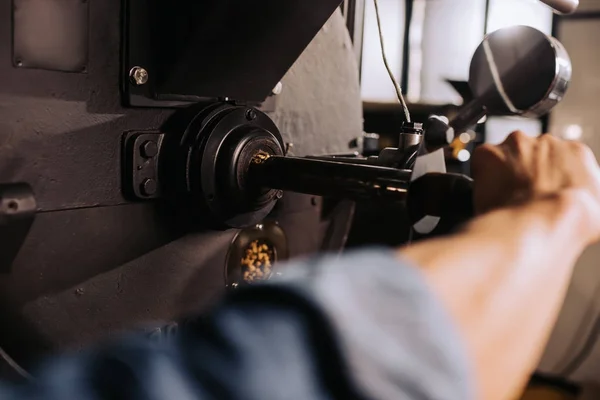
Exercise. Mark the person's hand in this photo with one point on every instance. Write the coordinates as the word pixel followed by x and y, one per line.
pixel 524 169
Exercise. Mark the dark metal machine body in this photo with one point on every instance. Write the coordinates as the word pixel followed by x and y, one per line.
pixel 84 258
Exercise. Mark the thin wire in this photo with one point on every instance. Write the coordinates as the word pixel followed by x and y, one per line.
pixel 15 365
pixel 387 65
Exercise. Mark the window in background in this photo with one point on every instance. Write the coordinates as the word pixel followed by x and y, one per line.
pixel 451 31
pixel 375 81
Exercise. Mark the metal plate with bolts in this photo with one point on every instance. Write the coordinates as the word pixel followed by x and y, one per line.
pixel 140 174
pixel 205 51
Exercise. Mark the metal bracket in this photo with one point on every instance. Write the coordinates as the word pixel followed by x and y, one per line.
pixel 17 212
pixel 190 52
pixel 141 150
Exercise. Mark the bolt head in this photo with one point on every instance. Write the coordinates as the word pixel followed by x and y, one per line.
pixel 251 114
pixel 13 206
pixel 149 149
pixel 148 187
pixel 277 89
pixel 138 76
pixel 288 148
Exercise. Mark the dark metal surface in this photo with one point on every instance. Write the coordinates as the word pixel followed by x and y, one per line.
pixel 61 132
pixel 163 282
pixel 17 212
pixel 231 42
pixel 95 263
pixel 204 166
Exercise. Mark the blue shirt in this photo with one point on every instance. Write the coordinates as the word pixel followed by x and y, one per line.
pixel 360 326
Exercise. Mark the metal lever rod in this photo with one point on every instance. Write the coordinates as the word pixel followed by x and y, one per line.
pixel 331 178
pixel 468 115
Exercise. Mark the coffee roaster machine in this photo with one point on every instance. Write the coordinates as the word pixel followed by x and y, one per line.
pixel 154 155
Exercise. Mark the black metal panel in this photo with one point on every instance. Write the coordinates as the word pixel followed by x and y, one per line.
pixel 66 248
pixel 133 277
pixel 61 132
pixel 216 48
pixel 178 278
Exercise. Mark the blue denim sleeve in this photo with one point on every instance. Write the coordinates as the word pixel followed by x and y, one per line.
pixel 361 326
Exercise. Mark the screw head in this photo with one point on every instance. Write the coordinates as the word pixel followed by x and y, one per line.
pixel 288 148
pixel 138 76
pixel 149 149
pixel 277 89
pixel 13 206
pixel 148 187
pixel 251 114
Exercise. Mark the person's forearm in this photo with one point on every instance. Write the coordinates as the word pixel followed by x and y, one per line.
pixel 503 279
